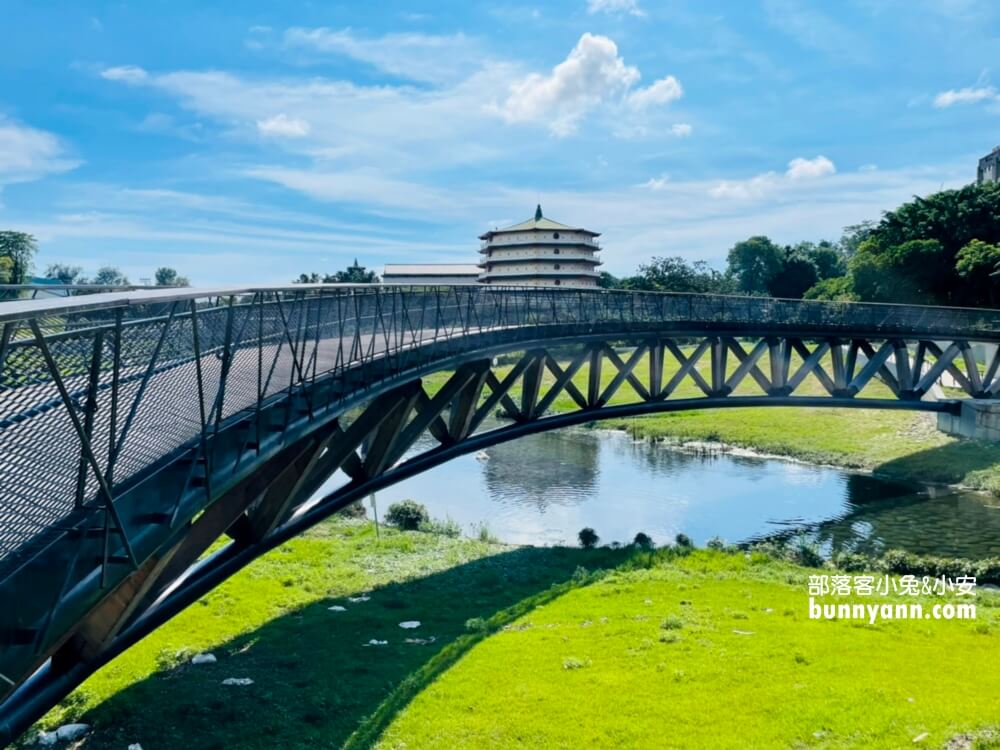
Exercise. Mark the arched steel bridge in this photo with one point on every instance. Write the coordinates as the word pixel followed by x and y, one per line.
pixel 138 428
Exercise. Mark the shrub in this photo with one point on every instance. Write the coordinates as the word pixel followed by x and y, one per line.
pixel 483 534
pixel 897 561
pixel 588 538
pixel 476 625
pixel 447 527
pixel 716 542
pixel 807 554
pixel 643 540
pixel 407 514
pixel 683 541
pixel 571 662
pixel 354 510
pixel 672 623
pixel 852 562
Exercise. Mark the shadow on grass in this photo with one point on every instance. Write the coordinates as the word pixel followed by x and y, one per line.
pixel 952 463
pixel 316 683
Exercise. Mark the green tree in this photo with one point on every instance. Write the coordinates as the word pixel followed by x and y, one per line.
pixel 975 264
pixel 6 270
pixel 753 263
pixel 168 277
pixel 355 274
pixel 825 256
pixel 109 276
pixel 796 275
pixel 20 248
pixel 64 274
pixel 854 235
pixel 836 288
pixel 678 275
pixel 914 272
pixel 950 218
pixel 607 281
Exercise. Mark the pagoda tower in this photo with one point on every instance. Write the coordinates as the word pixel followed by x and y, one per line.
pixel 540 252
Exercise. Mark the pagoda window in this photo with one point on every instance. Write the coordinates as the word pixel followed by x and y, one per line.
pixel 555 235
pixel 557 266
pixel 557 250
pixel 558 282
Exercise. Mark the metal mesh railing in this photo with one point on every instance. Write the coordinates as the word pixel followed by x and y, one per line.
pixel 95 390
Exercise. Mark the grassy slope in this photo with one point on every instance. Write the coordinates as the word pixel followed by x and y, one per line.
pixel 897 444
pixel 315 680
pixel 792 683
pixel 504 683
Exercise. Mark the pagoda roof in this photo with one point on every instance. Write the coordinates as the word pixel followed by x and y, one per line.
pixel 537 223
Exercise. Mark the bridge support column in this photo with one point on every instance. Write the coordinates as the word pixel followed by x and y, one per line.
pixel 976 419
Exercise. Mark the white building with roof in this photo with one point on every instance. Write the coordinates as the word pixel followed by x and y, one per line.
pixel 540 252
pixel 430 273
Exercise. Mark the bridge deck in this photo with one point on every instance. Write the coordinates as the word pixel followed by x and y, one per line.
pixel 147 392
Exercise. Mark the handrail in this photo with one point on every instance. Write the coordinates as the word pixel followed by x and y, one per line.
pixel 13 310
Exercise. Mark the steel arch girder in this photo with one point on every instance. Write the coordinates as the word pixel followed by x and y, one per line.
pixel 302 425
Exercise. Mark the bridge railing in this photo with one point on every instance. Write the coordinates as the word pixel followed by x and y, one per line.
pixel 95 391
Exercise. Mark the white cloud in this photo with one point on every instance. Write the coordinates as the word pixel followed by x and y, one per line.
pixel 615 6
pixel 799 170
pixel 681 129
pixel 968 95
pixel 755 187
pixel 807 169
pixel 593 74
pixel 656 183
pixel 413 56
pixel 663 91
pixel 27 153
pixel 283 126
pixel 125 74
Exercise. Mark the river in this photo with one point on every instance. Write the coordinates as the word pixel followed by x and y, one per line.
pixel 544 488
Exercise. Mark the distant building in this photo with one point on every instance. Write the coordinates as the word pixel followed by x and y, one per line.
pixel 989 167
pixel 540 252
pixel 430 273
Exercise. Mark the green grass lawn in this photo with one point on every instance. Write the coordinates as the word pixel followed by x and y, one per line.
pixel 534 648
pixel 711 651
pixel 899 445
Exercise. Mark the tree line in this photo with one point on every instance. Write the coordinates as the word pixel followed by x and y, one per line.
pixel 943 249
pixel 17 254
pixel 353 274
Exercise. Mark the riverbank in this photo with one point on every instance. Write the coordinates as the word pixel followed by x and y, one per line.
pixel 901 446
pixel 536 647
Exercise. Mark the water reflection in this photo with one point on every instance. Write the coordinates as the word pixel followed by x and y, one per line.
pixel 544 488
pixel 572 468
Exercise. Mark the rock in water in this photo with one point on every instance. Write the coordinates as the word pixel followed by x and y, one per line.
pixel 237 681
pixel 203 659
pixel 337 608
pixel 410 624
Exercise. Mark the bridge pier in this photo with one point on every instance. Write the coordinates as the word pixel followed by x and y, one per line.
pixel 977 419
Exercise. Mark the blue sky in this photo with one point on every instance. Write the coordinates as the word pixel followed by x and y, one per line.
pixel 250 141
